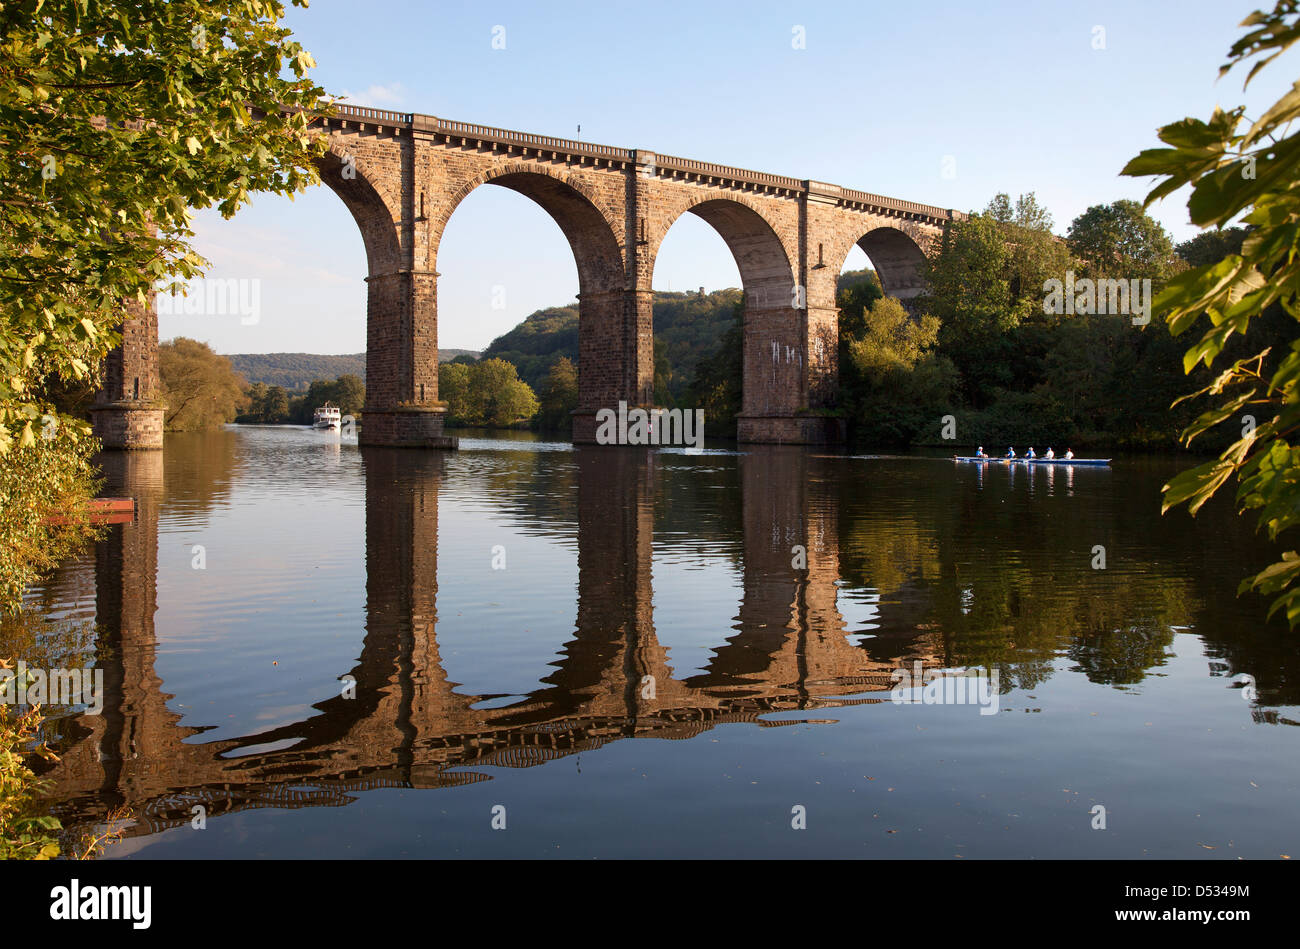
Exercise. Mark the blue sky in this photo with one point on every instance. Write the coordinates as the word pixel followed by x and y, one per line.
pixel 1015 92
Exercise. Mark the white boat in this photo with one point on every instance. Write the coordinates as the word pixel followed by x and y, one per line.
pixel 327 417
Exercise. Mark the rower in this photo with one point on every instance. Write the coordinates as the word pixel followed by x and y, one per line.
pixel 1030 453
pixel 979 452
pixel 1069 453
pixel 1049 454
pixel 1011 453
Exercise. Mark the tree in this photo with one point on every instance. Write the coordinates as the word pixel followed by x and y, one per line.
pixel 1245 174
pixel 855 291
pixel 1122 241
pixel 1036 254
pixel 987 291
pixel 275 407
pixel 42 495
pixel 894 381
pixel 349 394
pixel 498 395
pixel 716 386
pixel 891 342
pixel 1210 247
pixel 663 374
pixel 559 396
pixel 116 118
pixel 199 386
pixel 971 295
pixel 488 393
pixel 453 387
pixel 255 400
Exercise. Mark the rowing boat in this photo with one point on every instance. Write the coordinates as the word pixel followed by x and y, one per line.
pixel 1033 461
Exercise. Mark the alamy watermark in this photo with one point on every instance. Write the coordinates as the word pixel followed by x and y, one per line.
pixel 90 901
pixel 960 686
pixel 650 427
pixel 215 297
pixel 33 686
pixel 1085 296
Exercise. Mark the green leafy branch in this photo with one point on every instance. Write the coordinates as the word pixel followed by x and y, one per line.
pixel 1247 174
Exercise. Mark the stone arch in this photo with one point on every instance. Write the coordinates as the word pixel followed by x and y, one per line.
pixel 897 254
pixel 613 360
pixel 584 219
pixel 353 170
pixel 775 373
pixel 765 263
pixel 349 177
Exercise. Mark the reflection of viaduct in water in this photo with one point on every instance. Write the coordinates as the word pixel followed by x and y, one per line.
pixel 406 725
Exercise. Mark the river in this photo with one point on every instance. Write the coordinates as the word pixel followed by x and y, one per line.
pixel 523 649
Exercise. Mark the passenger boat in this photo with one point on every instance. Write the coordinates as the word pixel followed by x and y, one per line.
pixel 328 417
pixel 1033 461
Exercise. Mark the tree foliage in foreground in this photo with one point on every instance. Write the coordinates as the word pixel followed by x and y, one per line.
pixel 116 119
pixel 1251 173
pixel 42 516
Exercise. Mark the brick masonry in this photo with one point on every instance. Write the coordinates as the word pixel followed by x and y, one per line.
pixel 402 176
pixel 127 412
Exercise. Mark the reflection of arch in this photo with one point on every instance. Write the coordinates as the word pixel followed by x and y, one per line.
pixel 897 259
pixel 578 211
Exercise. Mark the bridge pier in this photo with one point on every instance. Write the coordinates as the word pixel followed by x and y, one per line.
pixel 127 413
pixel 417 426
pixel 402 408
pixel 789 376
pixel 790 430
pixel 615 356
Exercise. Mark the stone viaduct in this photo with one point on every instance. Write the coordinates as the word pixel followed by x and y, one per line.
pixel 402 175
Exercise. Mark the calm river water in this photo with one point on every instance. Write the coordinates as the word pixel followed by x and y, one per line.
pixel 526 649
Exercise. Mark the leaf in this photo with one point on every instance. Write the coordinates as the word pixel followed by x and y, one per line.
pixel 1214 416
pixel 1284 110
pixel 1155 161
pixel 1197 485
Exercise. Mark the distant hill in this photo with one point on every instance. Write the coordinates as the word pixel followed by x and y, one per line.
pixel 299 370
pixel 688 330
pixel 688 327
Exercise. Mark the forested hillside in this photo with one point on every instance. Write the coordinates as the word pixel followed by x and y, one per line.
pixel 688 328
pixel 293 371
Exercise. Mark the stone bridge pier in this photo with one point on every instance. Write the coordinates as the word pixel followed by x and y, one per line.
pixel 402 176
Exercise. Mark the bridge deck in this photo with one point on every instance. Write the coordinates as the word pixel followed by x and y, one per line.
pixel 662 164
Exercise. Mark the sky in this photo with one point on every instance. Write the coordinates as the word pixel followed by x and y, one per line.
pixel 946 103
